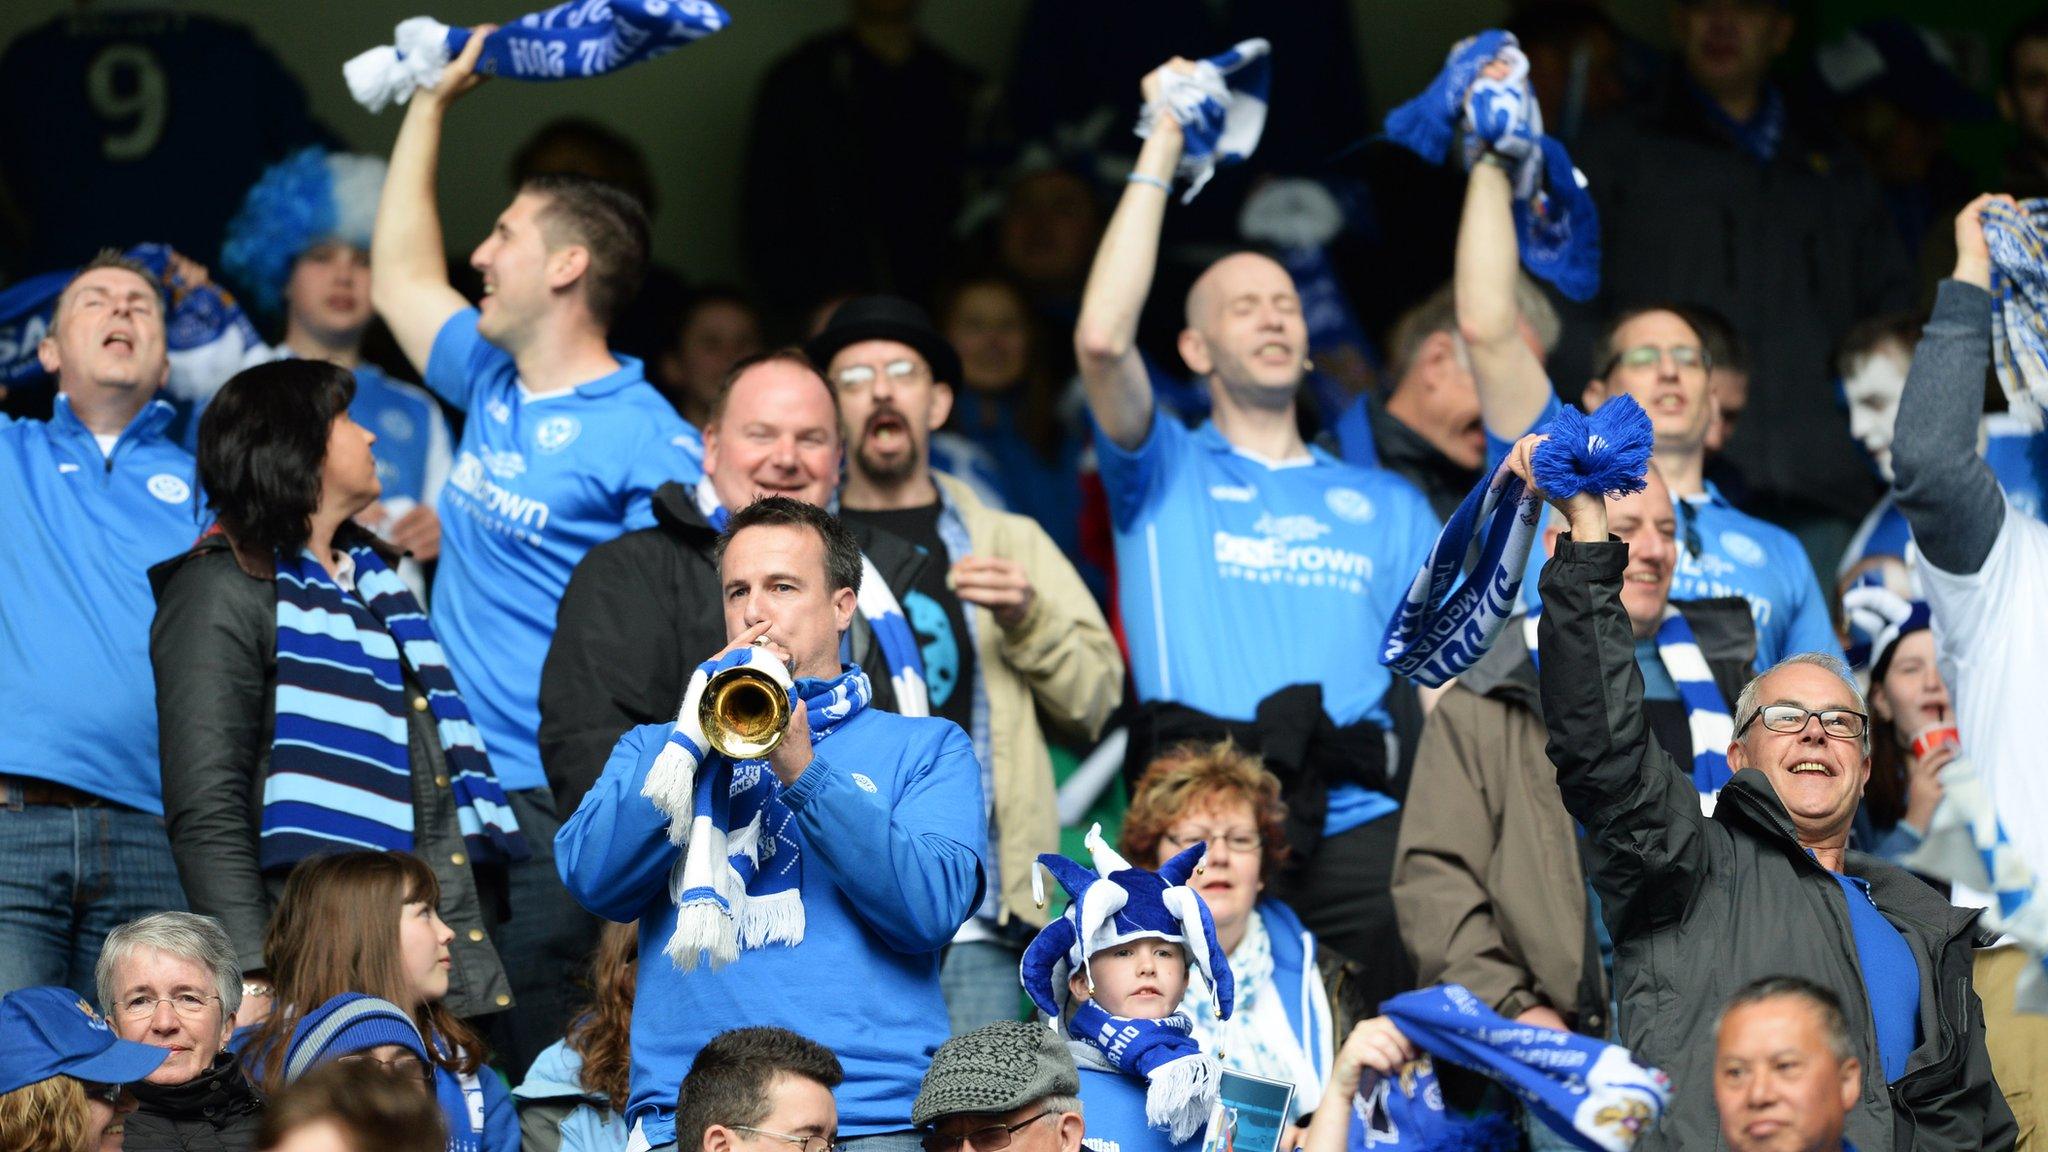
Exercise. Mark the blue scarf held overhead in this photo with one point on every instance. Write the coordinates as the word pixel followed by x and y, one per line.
pixel 1591 1093
pixel 340 768
pixel 1445 625
pixel 1967 845
pixel 1181 1080
pixel 1221 107
pixel 2018 240
pixel 877 605
pixel 1407 1112
pixel 208 337
pixel 573 40
pixel 1555 218
pixel 739 883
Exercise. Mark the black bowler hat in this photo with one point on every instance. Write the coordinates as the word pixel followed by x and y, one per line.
pixel 885 318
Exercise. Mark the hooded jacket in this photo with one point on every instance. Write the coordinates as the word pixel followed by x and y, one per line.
pixel 213 645
pixel 641 612
pixel 1700 906
pixel 1059 662
pixel 216 1111
pixel 1489 883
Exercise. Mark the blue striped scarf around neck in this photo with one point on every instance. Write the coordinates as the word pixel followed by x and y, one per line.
pixel 2018 241
pixel 739 883
pixel 340 773
pixel 877 604
pixel 1181 1080
pixel 571 40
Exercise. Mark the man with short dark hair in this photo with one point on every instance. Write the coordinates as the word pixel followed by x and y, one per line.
pixel 640 607
pixel 1011 1083
pixel 1767 884
pixel 93 497
pixel 820 881
pixel 1785 1069
pixel 1010 632
pixel 563 448
pixel 759 1089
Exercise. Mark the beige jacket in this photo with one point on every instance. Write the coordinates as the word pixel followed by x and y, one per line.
pixel 1060 661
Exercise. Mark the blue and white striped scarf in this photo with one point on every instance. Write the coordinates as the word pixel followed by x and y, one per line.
pixel 1444 625
pixel 1555 218
pixel 571 40
pixel 340 768
pixel 2018 240
pixel 1591 1093
pixel 877 604
pixel 739 883
pixel 1966 845
pixel 1221 107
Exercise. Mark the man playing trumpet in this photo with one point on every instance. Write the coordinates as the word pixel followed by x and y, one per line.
pixel 819 883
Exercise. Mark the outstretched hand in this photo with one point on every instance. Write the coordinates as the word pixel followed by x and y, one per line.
pixel 1586 512
pixel 461 75
pixel 1973 257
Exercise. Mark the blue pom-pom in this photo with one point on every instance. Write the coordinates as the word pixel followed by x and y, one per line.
pixel 1607 452
pixel 289 209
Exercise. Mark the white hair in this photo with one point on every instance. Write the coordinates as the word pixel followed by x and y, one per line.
pixel 187 935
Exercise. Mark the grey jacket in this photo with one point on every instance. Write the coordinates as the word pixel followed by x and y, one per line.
pixel 213 645
pixel 1698 906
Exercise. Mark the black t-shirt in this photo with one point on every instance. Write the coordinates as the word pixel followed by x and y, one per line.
pixel 935 614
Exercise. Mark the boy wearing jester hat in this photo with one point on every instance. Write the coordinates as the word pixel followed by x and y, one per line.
pixel 1111 972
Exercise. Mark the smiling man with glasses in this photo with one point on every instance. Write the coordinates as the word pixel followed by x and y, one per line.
pixel 761 1090
pixel 1699 906
pixel 1006 1085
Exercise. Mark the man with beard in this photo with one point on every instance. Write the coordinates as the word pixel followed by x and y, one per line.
pixel 1255 574
pixel 1023 635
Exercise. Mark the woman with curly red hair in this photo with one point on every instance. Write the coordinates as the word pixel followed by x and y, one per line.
pixel 1295 998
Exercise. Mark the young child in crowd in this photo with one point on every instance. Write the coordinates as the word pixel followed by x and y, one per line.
pixel 365 922
pixel 1111 972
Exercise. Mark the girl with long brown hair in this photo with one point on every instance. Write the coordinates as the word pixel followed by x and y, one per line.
pixel 366 922
pixel 574 1097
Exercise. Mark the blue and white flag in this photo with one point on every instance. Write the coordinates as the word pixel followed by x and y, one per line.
pixel 1221 107
pixel 2018 240
pixel 1592 1093
pixel 1966 845
pixel 570 41
pixel 1445 625
pixel 1555 218
pixel 209 337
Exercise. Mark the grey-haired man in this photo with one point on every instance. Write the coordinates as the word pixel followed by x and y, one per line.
pixel 1007 1083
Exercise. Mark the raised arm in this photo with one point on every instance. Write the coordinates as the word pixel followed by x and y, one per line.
pixel 410 282
pixel 1514 390
pixel 1947 492
pixel 1106 335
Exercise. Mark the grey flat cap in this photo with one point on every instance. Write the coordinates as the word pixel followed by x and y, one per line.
pixel 994 1069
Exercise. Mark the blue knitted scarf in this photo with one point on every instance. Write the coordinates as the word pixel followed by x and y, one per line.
pixel 340 768
pixel 2018 240
pixel 1221 107
pixel 739 883
pixel 1591 1093
pixel 1181 1081
pixel 568 41
pixel 1446 624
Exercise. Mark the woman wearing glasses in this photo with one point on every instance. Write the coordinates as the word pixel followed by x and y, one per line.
pixel 1293 995
pixel 172 981
pixel 64 1075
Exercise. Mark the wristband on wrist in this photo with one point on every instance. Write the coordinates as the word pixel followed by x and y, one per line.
pixel 1498 161
pixel 1148 181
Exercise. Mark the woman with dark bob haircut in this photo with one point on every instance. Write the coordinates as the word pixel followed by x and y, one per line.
pixel 305 706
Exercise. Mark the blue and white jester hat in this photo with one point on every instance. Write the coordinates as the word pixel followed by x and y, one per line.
pixel 1117 903
pixel 307 198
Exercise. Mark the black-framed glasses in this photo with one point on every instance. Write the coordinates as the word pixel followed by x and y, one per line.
pixel 190 1005
pixel 806 1143
pixel 108 1094
pixel 1840 723
pixel 993 1138
pixel 405 1066
pixel 1650 355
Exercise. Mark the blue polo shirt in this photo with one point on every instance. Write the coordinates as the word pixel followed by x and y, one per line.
pixel 1237 576
pixel 81 528
pixel 413 448
pixel 538 481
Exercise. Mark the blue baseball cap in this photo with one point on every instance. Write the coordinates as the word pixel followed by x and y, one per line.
pixel 52 1032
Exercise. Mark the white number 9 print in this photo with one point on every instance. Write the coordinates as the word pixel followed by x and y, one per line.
pixel 127 88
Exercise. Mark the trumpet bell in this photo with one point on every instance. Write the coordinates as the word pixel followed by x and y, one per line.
pixel 744 713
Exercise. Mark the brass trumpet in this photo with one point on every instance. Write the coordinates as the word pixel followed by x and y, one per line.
pixel 745 709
